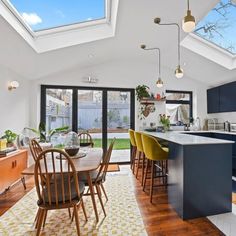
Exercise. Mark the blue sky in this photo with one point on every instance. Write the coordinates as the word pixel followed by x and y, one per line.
pixel 43 14
pixel 226 30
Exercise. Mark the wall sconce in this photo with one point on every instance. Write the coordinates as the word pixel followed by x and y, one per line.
pixel 13 85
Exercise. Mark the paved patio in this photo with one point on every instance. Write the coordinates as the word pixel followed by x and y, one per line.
pixel 120 155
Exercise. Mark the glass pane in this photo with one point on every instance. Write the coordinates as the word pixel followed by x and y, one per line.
pixel 178 96
pixel 58 108
pixel 90 114
pixel 218 26
pixel 40 15
pixel 179 113
pixel 118 123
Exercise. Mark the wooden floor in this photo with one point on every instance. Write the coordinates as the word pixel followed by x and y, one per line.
pixel 159 218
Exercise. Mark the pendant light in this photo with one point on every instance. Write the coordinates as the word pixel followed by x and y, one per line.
pixel 188 24
pixel 159 82
pixel 179 73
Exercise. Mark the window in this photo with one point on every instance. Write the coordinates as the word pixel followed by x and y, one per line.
pixel 219 27
pixel 179 106
pixel 41 15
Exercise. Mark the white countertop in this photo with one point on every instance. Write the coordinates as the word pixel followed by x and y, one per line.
pixel 187 139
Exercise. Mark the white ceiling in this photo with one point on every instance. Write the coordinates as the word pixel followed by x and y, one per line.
pixel 134 27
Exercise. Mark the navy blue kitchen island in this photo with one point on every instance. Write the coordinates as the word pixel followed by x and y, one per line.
pixel 200 174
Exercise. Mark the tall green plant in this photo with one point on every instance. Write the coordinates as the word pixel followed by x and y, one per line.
pixel 42 133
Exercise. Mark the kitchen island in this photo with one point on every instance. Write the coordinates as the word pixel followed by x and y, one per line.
pixel 200 174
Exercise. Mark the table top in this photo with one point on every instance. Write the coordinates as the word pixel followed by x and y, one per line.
pixel 187 139
pixel 88 163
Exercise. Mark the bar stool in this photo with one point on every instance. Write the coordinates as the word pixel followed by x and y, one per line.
pixel 134 149
pixel 140 153
pixel 157 157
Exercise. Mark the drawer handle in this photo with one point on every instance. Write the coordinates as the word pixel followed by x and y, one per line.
pixel 13 164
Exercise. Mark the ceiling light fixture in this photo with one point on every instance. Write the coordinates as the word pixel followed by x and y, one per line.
pixel 179 73
pixel 188 24
pixel 13 85
pixel 159 82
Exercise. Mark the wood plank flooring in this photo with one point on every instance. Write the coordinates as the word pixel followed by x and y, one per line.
pixel 159 218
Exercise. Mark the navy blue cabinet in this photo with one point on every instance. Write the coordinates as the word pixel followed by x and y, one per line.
pixel 222 98
pixel 228 97
pixel 213 100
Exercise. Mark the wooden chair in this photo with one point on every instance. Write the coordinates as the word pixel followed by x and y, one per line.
pixel 85 139
pixel 57 185
pixel 35 148
pixel 99 176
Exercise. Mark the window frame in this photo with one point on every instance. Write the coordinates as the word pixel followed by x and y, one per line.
pixel 183 102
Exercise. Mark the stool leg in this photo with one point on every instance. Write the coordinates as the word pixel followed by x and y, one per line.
pixel 143 165
pixel 145 175
pixel 152 180
pixel 138 163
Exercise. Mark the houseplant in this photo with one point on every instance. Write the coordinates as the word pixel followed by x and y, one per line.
pixel 165 121
pixel 45 136
pixel 10 137
pixel 142 92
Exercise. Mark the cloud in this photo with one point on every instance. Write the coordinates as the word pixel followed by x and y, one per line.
pixel 31 18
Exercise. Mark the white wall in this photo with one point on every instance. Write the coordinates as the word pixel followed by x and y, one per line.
pixel 14 105
pixel 125 74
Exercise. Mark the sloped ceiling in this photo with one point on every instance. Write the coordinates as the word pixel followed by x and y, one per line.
pixel 134 27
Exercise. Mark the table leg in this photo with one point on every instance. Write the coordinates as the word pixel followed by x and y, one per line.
pixel 92 195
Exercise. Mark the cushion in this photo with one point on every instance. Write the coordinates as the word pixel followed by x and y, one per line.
pixel 66 189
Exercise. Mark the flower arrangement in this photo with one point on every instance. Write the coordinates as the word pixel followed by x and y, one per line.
pixel 165 121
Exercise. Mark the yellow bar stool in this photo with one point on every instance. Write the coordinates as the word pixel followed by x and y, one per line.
pixel 140 153
pixel 157 158
pixel 134 149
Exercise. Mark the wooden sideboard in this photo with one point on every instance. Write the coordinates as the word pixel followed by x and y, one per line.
pixel 11 168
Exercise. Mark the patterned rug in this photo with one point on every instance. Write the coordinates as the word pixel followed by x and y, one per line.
pixel 123 215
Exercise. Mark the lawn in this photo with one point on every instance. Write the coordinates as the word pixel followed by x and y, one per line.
pixel 120 144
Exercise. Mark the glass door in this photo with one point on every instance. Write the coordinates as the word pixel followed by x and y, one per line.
pixel 90 116
pixel 118 123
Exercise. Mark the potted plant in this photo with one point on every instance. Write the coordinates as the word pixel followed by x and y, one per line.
pixel 42 133
pixel 10 137
pixel 142 92
pixel 165 121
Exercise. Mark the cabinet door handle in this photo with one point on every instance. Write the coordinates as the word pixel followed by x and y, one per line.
pixel 13 164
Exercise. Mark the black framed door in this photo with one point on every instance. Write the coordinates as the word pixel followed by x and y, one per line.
pixel 104 112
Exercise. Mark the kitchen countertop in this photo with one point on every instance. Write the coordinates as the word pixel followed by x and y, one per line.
pixel 211 131
pixel 188 139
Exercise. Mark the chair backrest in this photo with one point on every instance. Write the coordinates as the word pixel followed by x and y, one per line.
pixel 35 148
pixel 105 163
pixel 85 139
pixel 152 149
pixel 138 141
pixel 56 178
pixel 132 138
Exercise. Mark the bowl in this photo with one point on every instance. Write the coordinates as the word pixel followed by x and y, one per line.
pixel 72 151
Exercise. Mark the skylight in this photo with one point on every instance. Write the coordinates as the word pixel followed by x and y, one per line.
pixel 219 26
pixel 41 15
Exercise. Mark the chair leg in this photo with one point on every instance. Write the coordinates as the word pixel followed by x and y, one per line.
pixel 134 159
pixel 76 220
pixel 36 217
pixel 138 163
pixel 152 180
pixel 84 211
pixel 103 190
pixel 100 198
pixel 69 212
pixel 45 217
pixel 145 175
pixel 40 221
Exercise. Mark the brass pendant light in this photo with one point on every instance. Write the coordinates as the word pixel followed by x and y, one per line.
pixel 179 73
pixel 188 24
pixel 159 82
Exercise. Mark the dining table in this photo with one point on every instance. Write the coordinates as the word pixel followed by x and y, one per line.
pixel 85 164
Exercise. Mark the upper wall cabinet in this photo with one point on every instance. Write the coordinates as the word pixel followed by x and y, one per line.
pixel 222 98
pixel 213 100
